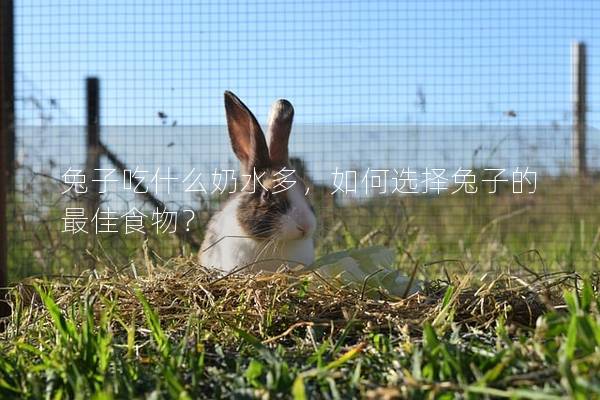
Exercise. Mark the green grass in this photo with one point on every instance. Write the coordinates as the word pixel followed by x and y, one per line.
pixel 503 314
pixel 179 332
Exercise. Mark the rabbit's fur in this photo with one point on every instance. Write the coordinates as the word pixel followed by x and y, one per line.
pixel 270 223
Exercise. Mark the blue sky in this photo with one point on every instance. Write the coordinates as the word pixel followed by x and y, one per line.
pixel 340 62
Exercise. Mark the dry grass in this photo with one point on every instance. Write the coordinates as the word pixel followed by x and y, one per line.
pixel 272 306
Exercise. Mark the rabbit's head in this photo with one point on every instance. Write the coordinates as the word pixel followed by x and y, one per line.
pixel 273 202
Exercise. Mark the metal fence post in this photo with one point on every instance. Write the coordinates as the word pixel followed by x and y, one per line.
pixel 578 65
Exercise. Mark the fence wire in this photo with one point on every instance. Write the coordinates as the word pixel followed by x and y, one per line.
pixel 442 129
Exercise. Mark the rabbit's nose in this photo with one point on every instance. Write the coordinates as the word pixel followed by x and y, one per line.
pixel 303 229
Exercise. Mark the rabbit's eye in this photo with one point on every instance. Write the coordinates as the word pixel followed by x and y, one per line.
pixel 265 196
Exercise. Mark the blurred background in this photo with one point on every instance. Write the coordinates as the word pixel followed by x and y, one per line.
pixel 486 87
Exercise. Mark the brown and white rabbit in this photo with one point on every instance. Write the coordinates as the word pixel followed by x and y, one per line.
pixel 261 227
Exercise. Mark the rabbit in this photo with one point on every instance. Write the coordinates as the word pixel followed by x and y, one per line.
pixel 261 227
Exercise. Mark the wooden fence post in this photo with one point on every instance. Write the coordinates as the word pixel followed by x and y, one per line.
pixel 7 136
pixel 578 65
pixel 92 163
pixel 7 84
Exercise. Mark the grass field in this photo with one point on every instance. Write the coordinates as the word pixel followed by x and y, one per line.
pixel 514 313
pixel 176 331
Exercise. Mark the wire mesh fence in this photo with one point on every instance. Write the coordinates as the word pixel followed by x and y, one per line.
pixel 444 129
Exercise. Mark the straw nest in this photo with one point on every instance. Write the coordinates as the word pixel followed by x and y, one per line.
pixel 273 307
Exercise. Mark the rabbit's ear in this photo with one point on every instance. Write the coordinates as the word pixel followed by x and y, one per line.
pixel 247 139
pixel 278 134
